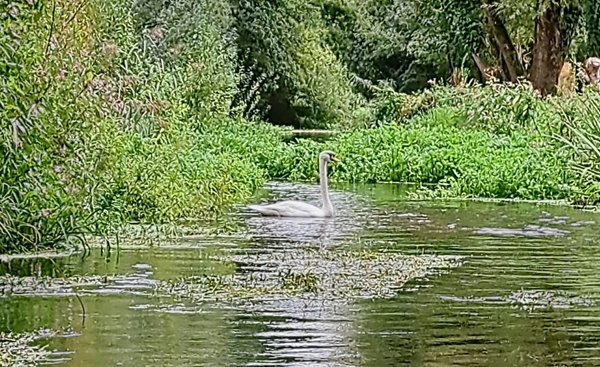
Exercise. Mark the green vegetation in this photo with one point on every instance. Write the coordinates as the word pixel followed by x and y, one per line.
pixel 101 131
pixel 330 274
pixel 491 142
pixel 153 112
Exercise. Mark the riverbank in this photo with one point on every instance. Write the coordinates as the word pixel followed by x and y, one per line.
pixel 103 130
pixel 187 172
pixel 445 152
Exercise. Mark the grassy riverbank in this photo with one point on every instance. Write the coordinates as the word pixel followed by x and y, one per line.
pixel 103 130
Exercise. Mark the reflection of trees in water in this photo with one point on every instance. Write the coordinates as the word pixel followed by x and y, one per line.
pixel 431 332
pixel 36 266
pixel 27 314
pixel 423 328
pixel 466 317
pixel 156 338
pixel 116 334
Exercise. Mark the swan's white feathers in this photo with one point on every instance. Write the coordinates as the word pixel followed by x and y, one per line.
pixel 292 208
pixel 289 208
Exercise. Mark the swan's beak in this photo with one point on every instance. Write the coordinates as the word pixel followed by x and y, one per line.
pixel 335 159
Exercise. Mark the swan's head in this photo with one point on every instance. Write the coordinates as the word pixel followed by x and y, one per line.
pixel 328 156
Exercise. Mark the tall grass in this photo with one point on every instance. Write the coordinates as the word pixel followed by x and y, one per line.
pixel 582 121
pixel 46 116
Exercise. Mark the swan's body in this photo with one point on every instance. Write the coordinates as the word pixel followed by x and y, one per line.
pixel 292 208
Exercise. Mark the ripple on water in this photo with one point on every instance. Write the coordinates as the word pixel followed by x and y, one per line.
pixel 526 293
pixel 527 231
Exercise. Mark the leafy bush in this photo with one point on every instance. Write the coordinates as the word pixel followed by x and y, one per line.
pixel 434 149
pixel 304 83
pixel 512 112
pixel 102 128
pixel 45 117
pixel 172 149
pixel 498 108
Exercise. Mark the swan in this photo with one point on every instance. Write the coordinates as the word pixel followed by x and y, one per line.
pixel 292 208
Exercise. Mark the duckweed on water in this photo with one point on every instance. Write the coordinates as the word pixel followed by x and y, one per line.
pixel 315 273
pixel 16 350
pixel 533 300
pixel 67 287
pixel 323 273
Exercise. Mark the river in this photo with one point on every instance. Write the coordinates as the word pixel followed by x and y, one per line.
pixel 525 292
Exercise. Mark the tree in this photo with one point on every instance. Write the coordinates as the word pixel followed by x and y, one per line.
pixel 502 43
pixel 554 29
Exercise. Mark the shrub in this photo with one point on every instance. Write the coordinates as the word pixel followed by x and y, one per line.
pixel 172 151
pixel 46 116
pixel 300 79
pixel 101 128
pixel 435 149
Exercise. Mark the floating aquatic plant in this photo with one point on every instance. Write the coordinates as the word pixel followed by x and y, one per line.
pixel 16 350
pixel 317 273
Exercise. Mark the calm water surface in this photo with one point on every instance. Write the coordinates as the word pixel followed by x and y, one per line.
pixel 526 295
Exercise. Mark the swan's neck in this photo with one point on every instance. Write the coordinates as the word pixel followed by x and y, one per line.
pixel 327 207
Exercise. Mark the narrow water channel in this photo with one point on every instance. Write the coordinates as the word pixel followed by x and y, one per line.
pixel 526 292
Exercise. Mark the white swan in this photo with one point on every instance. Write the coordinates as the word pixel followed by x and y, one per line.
pixel 291 208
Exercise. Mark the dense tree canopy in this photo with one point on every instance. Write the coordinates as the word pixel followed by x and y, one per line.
pixel 311 62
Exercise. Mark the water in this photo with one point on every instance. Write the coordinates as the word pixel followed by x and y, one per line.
pixel 527 293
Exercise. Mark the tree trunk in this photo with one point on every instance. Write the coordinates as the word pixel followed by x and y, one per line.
pixel 502 69
pixel 481 67
pixel 591 10
pixel 508 55
pixel 554 30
